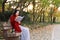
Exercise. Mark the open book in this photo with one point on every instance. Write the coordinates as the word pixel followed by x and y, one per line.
pixel 19 18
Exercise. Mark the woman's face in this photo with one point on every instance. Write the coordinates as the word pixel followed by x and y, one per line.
pixel 17 13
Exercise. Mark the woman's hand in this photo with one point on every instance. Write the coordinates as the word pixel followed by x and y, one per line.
pixel 19 22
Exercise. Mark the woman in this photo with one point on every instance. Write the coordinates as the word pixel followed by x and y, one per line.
pixel 18 28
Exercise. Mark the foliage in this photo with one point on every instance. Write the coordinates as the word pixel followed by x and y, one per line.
pixel 38 12
pixel 56 2
pixel 0 3
pixel 5 16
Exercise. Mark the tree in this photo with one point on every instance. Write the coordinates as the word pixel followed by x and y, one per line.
pixel 34 11
pixel 0 5
pixel 3 5
pixel 23 4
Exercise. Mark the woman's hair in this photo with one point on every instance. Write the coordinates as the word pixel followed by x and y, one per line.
pixel 14 12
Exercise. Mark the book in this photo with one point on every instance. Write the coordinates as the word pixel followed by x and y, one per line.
pixel 19 18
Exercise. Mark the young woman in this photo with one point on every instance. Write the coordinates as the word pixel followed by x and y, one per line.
pixel 25 35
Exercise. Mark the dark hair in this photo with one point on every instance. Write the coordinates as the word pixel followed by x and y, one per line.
pixel 14 12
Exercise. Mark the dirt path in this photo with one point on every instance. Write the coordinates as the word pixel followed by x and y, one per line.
pixel 44 33
pixel 56 32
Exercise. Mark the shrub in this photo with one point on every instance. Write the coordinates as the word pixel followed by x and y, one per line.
pixel 5 16
pixel 26 17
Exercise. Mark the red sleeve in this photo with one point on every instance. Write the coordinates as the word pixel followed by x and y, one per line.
pixel 17 28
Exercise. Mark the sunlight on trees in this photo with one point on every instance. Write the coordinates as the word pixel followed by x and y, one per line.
pixel 51 5
pixel 58 8
pixel 30 7
pixel 8 0
pixel 36 0
pixel 13 0
pixel 40 10
pixel 25 9
pixel 13 7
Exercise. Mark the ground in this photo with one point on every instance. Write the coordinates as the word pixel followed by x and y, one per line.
pixel 42 33
pixel 50 32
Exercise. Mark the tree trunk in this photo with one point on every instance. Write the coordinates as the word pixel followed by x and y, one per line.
pixel 33 11
pixel 51 14
pixel 54 18
pixel 3 5
pixel 40 18
pixel 43 16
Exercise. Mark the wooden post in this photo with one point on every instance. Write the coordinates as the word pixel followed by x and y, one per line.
pixel 9 35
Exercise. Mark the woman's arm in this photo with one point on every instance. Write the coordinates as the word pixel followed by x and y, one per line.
pixel 19 19
pixel 17 28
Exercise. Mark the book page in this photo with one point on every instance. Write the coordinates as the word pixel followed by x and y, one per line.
pixel 19 18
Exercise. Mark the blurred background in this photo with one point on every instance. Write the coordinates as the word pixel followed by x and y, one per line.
pixel 37 13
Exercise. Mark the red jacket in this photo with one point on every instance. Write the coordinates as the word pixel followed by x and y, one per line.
pixel 15 24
